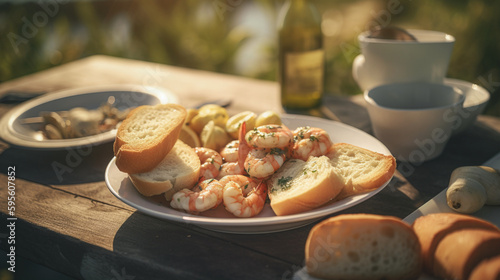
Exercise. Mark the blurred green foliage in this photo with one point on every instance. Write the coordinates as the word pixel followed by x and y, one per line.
pixel 220 35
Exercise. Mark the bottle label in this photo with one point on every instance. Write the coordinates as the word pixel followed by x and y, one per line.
pixel 304 71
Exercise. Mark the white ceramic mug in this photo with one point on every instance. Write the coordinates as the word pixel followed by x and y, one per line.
pixel 385 61
pixel 414 120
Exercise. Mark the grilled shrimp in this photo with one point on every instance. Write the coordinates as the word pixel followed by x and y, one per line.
pixel 230 168
pixel 310 141
pixel 241 205
pixel 211 162
pixel 269 136
pixel 261 163
pixel 230 152
pixel 204 196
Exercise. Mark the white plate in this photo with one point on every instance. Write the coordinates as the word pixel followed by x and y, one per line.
pixel 13 131
pixel 219 220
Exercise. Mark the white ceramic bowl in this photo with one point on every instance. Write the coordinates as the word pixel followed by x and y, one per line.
pixel 414 120
pixel 385 61
pixel 476 98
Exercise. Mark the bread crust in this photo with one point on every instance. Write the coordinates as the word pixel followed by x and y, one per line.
pixel 460 251
pixel 328 246
pixel 138 158
pixel 488 269
pixel 432 228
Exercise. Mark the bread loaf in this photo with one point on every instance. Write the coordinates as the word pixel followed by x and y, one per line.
pixel 432 228
pixel 146 136
pixel 299 186
pixel 461 251
pixel 363 246
pixel 362 170
pixel 179 169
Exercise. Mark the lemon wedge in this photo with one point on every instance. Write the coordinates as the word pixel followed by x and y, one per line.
pixel 189 137
pixel 191 113
pixel 233 123
pixel 268 117
pixel 214 137
pixel 208 113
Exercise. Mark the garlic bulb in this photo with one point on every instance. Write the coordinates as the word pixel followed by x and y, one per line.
pixel 472 187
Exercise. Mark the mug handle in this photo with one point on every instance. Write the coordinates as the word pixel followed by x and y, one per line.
pixel 357 70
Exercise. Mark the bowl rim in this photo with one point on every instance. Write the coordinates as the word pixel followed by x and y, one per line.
pixel 370 101
pixel 448 38
pixel 478 91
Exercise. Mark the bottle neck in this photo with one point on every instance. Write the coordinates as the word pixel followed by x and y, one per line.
pixel 298 12
pixel 298 4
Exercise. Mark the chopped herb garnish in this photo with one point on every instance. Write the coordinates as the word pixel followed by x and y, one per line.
pixel 277 151
pixel 301 134
pixel 285 182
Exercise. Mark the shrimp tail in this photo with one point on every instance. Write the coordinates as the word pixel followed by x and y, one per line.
pixel 261 188
pixel 243 148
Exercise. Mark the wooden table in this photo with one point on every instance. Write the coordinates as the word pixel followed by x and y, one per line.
pixel 76 226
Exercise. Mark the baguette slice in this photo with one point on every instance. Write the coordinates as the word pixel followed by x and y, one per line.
pixel 179 169
pixel 488 269
pixel 461 251
pixel 362 170
pixel 299 186
pixel 147 135
pixel 432 228
pixel 363 246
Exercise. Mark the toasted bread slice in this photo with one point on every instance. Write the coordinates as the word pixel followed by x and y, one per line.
pixel 147 135
pixel 363 246
pixel 362 170
pixel 488 269
pixel 300 186
pixel 432 228
pixel 461 251
pixel 179 169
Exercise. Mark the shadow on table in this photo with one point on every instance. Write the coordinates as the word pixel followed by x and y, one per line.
pixel 28 270
pixel 341 109
pixel 349 111
pixel 58 167
pixel 474 146
pixel 183 251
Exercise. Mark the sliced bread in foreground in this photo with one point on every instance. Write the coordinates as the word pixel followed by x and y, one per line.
pixel 146 136
pixel 461 251
pixel 362 170
pixel 363 246
pixel 432 228
pixel 488 269
pixel 299 185
pixel 179 169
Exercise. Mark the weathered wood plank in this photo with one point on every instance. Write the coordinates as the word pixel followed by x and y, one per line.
pixel 191 86
pixel 89 239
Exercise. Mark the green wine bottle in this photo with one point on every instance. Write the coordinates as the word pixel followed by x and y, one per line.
pixel 301 55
